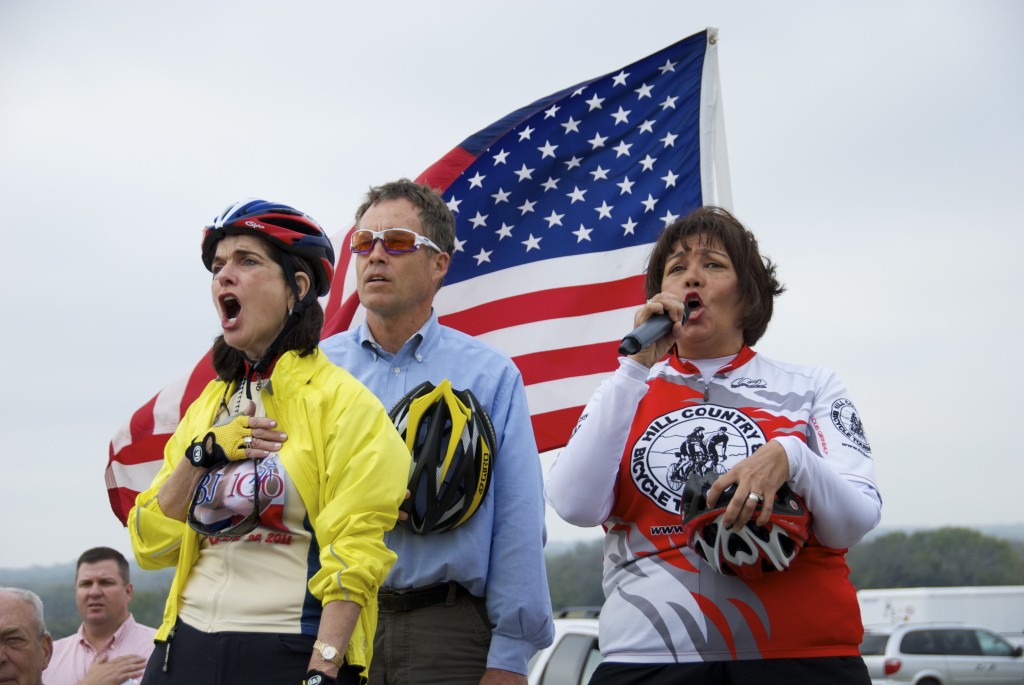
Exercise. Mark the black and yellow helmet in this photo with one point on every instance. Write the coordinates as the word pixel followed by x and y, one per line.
pixel 452 444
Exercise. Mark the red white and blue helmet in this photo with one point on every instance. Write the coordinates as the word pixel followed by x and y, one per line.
pixel 749 551
pixel 288 229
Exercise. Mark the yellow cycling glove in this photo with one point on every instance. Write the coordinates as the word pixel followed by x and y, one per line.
pixel 222 444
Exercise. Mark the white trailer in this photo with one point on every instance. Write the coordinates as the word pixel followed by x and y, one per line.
pixel 997 607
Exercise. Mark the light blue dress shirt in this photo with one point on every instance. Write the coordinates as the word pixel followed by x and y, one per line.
pixel 499 552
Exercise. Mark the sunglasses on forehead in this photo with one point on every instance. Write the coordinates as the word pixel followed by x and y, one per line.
pixel 395 240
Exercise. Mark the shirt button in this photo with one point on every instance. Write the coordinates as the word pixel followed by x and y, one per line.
pixel 397 371
pixel 419 357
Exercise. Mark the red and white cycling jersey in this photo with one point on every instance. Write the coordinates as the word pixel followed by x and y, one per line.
pixel 643 434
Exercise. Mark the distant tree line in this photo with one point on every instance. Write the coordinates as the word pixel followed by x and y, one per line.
pixel 936 558
pixel 574 576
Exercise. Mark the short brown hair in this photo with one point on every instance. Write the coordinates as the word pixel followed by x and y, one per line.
pixel 98 554
pixel 758 286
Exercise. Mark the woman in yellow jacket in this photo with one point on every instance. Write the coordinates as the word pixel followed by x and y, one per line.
pixel 279 483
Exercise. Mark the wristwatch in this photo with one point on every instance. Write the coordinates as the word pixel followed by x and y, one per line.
pixel 329 653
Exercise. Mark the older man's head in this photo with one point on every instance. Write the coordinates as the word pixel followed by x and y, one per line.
pixel 25 646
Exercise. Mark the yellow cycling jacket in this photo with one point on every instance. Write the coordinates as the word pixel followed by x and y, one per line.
pixel 348 463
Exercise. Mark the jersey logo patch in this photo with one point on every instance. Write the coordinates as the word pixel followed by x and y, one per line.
pixel 690 442
pixel 847 421
pixel 749 383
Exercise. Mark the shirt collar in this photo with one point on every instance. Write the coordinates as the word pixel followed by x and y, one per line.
pixel 745 354
pixel 114 639
pixel 419 345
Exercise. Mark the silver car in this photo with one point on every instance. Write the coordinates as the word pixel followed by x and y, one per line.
pixel 574 654
pixel 940 654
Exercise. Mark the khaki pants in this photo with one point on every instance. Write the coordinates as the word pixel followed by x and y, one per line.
pixel 442 643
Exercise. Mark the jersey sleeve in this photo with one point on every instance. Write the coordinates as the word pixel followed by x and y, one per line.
pixel 580 484
pixel 834 470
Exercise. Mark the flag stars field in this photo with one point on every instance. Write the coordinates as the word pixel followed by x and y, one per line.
pixel 582 233
pixel 622 116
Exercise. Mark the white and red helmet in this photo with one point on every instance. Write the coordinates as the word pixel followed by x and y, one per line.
pixel 749 551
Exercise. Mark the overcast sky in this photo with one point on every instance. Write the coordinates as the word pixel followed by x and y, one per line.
pixel 875 148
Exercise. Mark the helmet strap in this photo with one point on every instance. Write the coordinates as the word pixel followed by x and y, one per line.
pixel 257 367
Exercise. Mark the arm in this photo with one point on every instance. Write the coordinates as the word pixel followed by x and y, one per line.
pixel 115 671
pixel 156 522
pixel 518 600
pixel 337 623
pixel 834 471
pixel 175 494
pixel 831 472
pixel 361 473
pixel 155 536
pixel 581 482
pixel 497 676
pixel 366 468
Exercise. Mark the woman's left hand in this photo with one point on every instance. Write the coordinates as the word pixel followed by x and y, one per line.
pixel 265 438
pixel 762 473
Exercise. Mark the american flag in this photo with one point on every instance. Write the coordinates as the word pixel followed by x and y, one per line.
pixel 556 207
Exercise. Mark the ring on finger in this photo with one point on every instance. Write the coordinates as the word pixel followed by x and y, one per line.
pixel 248 440
pixel 756 497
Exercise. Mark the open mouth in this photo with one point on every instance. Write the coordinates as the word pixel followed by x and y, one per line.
pixel 229 307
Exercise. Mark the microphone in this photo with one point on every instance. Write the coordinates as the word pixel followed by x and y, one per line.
pixel 654 328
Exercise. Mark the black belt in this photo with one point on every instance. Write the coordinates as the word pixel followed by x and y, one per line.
pixel 417 598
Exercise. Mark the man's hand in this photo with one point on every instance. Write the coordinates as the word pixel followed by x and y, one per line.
pixel 402 514
pixel 114 671
pixel 496 676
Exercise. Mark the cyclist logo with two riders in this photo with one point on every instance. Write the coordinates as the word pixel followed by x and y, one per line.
pixel 698 455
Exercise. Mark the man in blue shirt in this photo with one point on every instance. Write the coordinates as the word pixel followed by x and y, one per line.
pixel 470 605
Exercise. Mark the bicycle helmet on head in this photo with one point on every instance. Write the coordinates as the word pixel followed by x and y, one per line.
pixel 453 445
pixel 290 232
pixel 749 551
pixel 285 227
